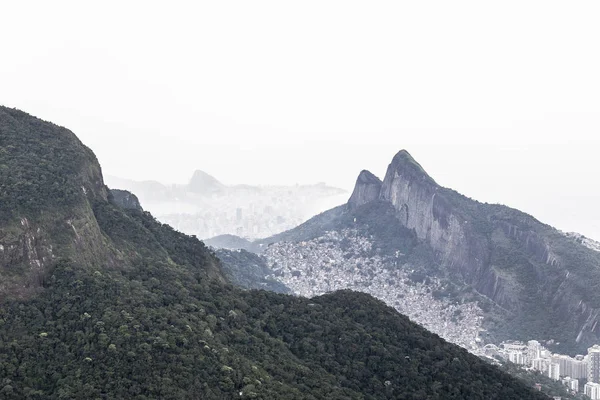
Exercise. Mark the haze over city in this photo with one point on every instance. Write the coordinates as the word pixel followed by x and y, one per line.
pixel 499 105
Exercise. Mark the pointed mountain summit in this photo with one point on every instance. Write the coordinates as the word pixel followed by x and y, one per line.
pixel 405 165
pixel 204 183
pixel 403 173
pixel 367 189
pixel 408 188
pixel 412 192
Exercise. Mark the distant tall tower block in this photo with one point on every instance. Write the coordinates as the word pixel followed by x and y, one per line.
pixel 594 364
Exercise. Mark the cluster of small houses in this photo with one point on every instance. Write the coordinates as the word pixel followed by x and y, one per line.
pixel 345 260
pixel 571 371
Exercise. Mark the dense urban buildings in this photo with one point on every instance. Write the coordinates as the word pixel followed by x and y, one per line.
pixel 346 260
pixel 573 372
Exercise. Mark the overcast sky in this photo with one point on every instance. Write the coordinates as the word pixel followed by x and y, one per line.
pixel 498 100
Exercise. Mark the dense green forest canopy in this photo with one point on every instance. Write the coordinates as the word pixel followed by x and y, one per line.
pixel 42 166
pixel 154 330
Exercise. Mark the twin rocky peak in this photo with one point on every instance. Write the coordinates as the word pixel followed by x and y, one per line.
pixel 401 175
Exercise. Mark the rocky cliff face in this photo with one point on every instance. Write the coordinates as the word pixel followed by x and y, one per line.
pixel 422 205
pixel 366 190
pixel 413 194
pixel 451 231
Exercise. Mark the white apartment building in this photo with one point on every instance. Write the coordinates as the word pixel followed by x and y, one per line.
pixel 554 371
pixel 534 350
pixel 592 390
pixel 593 364
pixel 517 357
pixel 571 383
pixel 579 369
pixel 541 364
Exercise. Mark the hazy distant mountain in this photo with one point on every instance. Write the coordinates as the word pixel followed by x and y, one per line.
pixel 99 300
pixel 453 264
pixel 206 207
pixel 232 242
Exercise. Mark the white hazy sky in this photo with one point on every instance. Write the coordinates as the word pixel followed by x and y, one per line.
pixel 498 100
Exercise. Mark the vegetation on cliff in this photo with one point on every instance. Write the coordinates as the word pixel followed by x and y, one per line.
pixel 42 166
pixel 248 270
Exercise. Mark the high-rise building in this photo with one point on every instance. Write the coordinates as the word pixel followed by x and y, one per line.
pixel 565 363
pixel 571 383
pixel 517 357
pixel 540 364
pixel 593 363
pixel 579 369
pixel 592 390
pixel 534 350
pixel 554 371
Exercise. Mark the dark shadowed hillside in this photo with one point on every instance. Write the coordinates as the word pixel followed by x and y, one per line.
pixel 248 270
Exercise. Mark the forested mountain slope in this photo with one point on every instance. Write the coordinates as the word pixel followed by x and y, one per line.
pixel 248 270
pixel 100 301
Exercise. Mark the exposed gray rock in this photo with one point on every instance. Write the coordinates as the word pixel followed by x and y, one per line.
pixel 367 189
pixel 422 206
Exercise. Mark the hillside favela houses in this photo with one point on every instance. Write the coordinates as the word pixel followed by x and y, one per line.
pixel 579 374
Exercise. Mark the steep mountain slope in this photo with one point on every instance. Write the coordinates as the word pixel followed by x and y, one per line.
pixel 248 270
pixel 46 179
pixel 530 280
pixel 125 199
pixel 206 207
pixel 128 308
